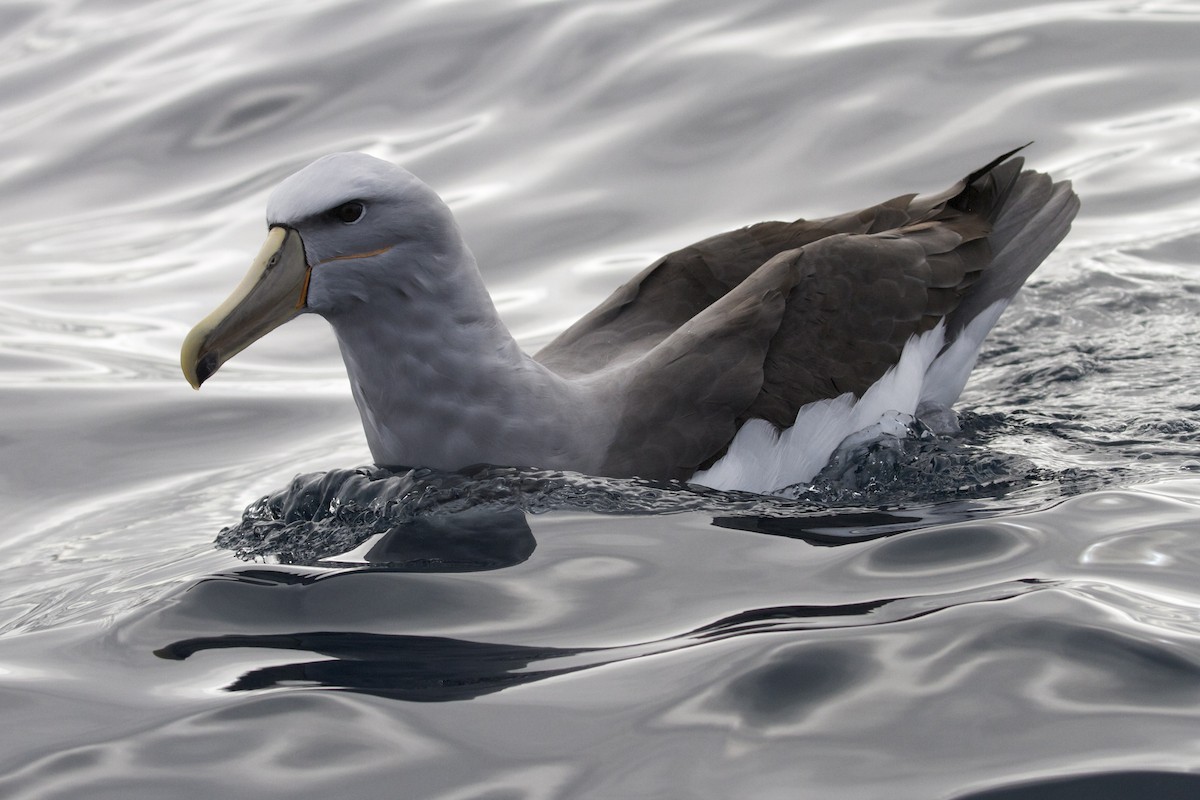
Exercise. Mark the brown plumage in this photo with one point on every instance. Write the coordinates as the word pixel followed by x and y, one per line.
pixel 757 322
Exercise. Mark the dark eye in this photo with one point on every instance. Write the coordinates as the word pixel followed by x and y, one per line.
pixel 349 213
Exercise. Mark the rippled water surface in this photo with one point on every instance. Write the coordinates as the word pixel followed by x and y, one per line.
pixel 1012 613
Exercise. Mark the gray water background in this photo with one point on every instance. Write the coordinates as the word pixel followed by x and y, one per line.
pixel 1049 633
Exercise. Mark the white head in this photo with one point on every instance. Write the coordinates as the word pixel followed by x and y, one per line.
pixel 367 226
pixel 349 235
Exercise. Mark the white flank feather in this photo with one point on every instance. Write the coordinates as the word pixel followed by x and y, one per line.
pixel 948 375
pixel 762 458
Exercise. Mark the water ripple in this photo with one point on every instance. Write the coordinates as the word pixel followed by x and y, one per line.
pixel 1012 611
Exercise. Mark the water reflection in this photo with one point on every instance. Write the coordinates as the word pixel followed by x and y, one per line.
pixel 468 541
pixel 1101 786
pixel 435 668
pixel 828 529
pixel 414 668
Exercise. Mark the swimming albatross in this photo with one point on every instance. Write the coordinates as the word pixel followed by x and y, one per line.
pixel 744 330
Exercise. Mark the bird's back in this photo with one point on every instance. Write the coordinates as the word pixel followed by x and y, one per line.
pixel 851 290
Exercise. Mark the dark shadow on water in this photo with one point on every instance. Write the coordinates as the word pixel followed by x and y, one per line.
pixel 424 668
pixel 827 530
pixel 413 668
pixel 1108 786
pixel 469 541
pixel 322 531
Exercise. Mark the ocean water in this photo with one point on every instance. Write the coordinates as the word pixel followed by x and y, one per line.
pixel 205 596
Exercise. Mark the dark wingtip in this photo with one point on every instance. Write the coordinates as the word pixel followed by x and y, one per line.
pixel 995 162
pixel 985 190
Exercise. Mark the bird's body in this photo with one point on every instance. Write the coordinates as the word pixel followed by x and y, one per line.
pixel 754 324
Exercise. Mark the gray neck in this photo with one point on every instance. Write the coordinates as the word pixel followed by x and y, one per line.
pixel 440 382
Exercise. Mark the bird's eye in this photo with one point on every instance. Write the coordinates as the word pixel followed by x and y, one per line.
pixel 350 213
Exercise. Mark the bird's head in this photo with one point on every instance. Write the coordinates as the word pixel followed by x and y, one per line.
pixel 342 232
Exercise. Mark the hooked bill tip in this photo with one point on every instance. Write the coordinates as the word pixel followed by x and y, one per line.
pixel 205 367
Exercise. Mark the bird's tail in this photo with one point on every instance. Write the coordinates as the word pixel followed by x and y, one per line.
pixel 1029 215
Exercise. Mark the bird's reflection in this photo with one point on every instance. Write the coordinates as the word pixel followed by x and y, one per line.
pixel 439 668
pixel 825 530
pixel 468 541
pixel 414 668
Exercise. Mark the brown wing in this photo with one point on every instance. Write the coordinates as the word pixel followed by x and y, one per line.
pixel 813 322
pixel 858 287
pixel 860 300
pixel 654 303
pixel 680 403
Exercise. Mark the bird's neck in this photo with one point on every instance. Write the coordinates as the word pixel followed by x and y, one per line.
pixel 440 382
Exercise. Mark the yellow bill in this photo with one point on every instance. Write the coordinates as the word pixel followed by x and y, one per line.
pixel 274 291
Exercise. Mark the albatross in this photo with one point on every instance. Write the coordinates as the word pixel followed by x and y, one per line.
pixel 716 355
